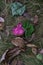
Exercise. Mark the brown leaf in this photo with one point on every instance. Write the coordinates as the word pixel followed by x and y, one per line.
pixel 34 50
pixel 18 42
pixel 31 45
pixel 11 54
pixel 3 56
pixel 35 19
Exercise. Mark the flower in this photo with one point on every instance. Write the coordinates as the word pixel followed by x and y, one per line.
pixel 1 19
pixel 18 30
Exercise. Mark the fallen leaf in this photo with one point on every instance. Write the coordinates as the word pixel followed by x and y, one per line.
pixel 18 42
pixel 31 45
pixel 3 56
pixel 11 54
pixel 34 51
pixel 35 19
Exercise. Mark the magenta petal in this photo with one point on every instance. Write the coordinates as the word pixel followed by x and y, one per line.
pixel 18 30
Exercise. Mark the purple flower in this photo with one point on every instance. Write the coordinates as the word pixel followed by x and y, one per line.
pixel 1 19
pixel 18 30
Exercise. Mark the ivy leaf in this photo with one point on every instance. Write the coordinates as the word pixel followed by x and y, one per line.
pixel 17 8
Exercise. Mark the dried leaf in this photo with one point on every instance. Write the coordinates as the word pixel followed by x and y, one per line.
pixel 31 45
pixel 34 50
pixel 35 19
pixel 18 42
pixel 3 56
pixel 11 54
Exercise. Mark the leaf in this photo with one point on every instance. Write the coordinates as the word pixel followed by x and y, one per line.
pixel 31 45
pixel 35 19
pixel 29 28
pixel 17 8
pixel 11 54
pixel 3 56
pixel 18 42
pixel 39 56
pixel 34 51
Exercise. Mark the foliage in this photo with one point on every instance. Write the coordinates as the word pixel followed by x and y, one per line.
pixel 17 8
pixel 29 28
pixel 39 56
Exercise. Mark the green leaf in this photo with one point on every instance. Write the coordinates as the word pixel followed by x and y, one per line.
pixel 17 8
pixel 39 56
pixel 29 28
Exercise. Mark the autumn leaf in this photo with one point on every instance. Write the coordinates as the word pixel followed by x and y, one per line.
pixel 34 51
pixel 35 19
pixel 18 42
pixel 31 45
pixel 11 54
